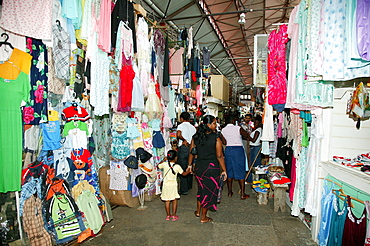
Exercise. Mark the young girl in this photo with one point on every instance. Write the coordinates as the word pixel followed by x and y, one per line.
pixel 169 189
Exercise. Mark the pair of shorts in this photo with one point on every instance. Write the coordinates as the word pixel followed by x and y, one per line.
pixel 235 162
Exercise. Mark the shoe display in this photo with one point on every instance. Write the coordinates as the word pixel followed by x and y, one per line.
pixel 261 185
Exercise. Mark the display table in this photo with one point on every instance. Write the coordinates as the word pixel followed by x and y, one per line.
pixel 278 191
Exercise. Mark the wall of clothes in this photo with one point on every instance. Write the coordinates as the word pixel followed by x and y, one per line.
pixel 88 84
pixel 320 49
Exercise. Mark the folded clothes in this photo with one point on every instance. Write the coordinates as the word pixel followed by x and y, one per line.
pixel 283 180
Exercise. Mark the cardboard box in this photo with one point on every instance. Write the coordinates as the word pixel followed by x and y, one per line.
pixel 115 197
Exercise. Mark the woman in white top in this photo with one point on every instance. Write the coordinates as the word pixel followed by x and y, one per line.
pixel 255 144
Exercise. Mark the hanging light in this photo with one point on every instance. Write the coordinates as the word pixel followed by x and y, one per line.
pixel 242 19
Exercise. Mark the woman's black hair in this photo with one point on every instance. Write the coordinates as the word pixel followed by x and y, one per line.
pixel 203 129
pixel 171 155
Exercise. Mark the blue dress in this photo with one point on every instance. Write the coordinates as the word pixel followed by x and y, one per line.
pixel 326 213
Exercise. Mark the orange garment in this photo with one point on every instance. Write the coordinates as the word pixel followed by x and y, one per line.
pixel 19 61
pixel 57 186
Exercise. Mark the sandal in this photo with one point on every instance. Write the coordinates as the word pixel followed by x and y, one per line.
pixel 175 217
pixel 230 194
pixel 196 215
pixel 244 197
pixel 208 219
pixel 168 217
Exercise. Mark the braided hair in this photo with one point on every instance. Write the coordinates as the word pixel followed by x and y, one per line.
pixel 171 155
pixel 203 129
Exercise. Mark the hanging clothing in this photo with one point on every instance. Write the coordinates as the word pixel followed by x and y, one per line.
pixel 337 222
pixel 153 104
pixel 104 26
pixel 51 135
pixel 118 174
pixel 127 76
pixel 14 87
pixel 354 232
pixel 137 103
pixel 166 64
pixel 99 88
pixel 120 148
pixel 177 67
pixel 31 18
pixel 38 79
pixel 327 201
pixel 88 204
pixel 123 11
pixel 335 45
pixel 62 218
pixel 276 65
pixel 61 52
pixel 367 238
pixel 33 223
pixel 114 84
pixel 313 161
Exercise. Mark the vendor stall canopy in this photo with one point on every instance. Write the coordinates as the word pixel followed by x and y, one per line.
pixel 226 27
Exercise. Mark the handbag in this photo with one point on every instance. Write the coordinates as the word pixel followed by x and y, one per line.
pixel 194 151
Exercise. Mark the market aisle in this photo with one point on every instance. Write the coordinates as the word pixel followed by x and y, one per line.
pixel 236 222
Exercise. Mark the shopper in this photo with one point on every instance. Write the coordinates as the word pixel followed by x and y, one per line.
pixel 235 156
pixel 208 166
pixel 255 144
pixel 169 189
pixel 185 132
pixel 247 126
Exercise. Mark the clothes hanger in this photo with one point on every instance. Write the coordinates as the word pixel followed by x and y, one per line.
pixel 6 40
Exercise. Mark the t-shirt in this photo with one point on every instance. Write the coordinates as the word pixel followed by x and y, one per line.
pixel 232 135
pixel 258 140
pixel 187 131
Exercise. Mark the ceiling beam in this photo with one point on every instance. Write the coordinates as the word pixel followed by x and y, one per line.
pixel 180 10
pixel 225 13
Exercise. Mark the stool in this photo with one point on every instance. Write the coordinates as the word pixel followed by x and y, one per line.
pixel 262 198
pixel 279 196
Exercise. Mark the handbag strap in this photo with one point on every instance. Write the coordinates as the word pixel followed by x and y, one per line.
pixel 168 170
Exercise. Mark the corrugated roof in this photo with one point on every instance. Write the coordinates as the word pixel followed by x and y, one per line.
pixel 215 25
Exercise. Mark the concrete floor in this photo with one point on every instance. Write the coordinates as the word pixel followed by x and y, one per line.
pixel 237 222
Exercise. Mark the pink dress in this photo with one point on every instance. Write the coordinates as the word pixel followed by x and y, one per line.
pixel 276 66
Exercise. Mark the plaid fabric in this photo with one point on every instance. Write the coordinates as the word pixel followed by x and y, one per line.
pixel 33 186
pixel 61 52
pixel 33 223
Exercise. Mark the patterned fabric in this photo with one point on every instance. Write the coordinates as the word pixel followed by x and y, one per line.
pixel 61 51
pixel 63 218
pixel 207 173
pixel 55 84
pixel 314 61
pixel 118 173
pixel 114 84
pixel 31 187
pixel 120 145
pixel 33 223
pixel 335 45
pixel 31 18
pixel 276 66
pixel 99 96
pixel 38 78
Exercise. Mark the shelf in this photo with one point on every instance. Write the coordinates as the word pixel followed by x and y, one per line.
pixel 351 176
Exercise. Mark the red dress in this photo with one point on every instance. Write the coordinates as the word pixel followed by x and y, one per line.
pixel 127 76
